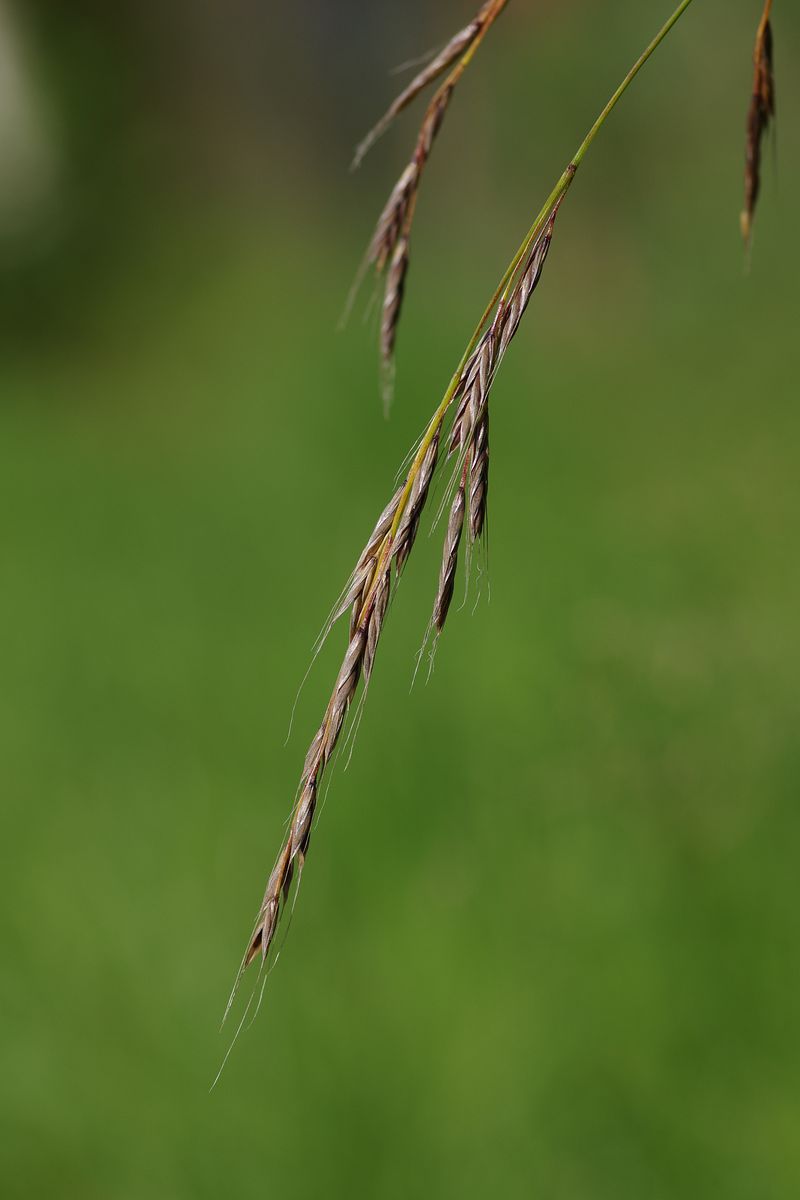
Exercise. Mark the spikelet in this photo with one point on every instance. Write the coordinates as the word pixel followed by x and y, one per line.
pixel 759 116
pixel 458 45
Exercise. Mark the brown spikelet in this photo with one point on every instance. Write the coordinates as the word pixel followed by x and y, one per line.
pixel 355 593
pixel 447 574
pixel 470 429
pixel 759 116
pixel 478 374
pixel 390 241
pixel 394 217
pixel 479 476
pixel 375 622
pixel 528 282
pixel 393 299
pixel 319 755
pixel 473 390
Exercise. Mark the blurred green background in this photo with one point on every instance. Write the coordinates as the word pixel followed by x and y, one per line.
pixel 547 942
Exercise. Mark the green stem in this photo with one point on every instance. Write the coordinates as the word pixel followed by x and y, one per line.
pixel 628 80
pixel 561 188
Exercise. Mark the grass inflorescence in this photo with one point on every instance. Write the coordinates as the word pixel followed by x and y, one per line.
pixel 457 433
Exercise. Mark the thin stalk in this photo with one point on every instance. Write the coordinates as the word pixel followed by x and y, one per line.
pixel 628 80
pixel 561 188
pixel 490 20
pixel 555 197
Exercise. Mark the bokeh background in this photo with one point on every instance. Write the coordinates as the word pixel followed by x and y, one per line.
pixel 547 941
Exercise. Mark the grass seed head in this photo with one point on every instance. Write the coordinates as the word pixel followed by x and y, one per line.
pixel 447 574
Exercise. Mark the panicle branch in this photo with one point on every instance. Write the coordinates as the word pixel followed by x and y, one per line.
pixel 390 243
pixel 461 43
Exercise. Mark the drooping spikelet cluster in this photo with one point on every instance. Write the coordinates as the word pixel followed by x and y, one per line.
pixel 469 434
pixel 388 250
pixel 387 550
pixel 458 431
pixel 458 45
pixel 759 116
